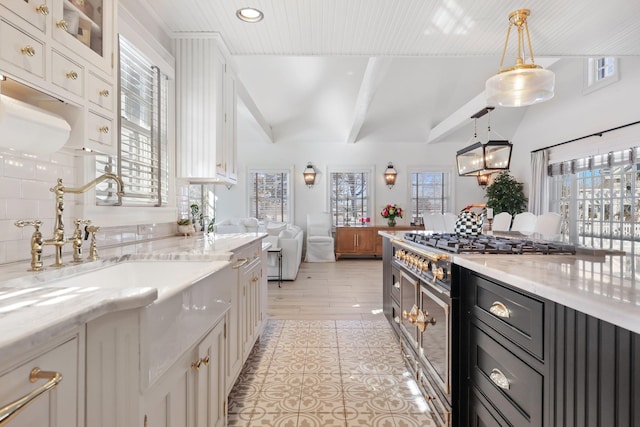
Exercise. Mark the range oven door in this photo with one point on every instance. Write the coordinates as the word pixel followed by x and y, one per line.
pixel 434 335
pixel 409 308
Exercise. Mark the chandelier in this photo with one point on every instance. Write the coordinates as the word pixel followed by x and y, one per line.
pixel 524 83
pixel 484 158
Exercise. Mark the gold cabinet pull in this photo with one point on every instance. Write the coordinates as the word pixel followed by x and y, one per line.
pixel 104 92
pixel 43 9
pixel 205 361
pixel 240 263
pixel 499 379
pixel 28 50
pixel 72 75
pixel 196 365
pixel 62 25
pixel 103 129
pixel 8 412
pixel 500 310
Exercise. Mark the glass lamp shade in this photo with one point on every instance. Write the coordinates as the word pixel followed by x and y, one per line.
pixel 390 176
pixel 482 159
pixel 309 175
pixel 520 86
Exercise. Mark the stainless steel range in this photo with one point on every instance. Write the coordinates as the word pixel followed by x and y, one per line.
pixel 423 306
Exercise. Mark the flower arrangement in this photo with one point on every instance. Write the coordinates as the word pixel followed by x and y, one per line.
pixel 391 211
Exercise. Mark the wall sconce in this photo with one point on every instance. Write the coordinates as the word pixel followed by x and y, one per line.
pixel 309 175
pixel 390 175
pixel 483 180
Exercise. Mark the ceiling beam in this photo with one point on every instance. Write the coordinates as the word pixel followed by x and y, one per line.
pixel 253 109
pixel 461 116
pixel 375 72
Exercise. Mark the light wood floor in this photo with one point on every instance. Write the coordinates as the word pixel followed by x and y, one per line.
pixel 349 289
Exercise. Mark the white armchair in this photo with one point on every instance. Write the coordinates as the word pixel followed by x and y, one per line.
pixel 290 240
pixel 319 239
pixel 501 222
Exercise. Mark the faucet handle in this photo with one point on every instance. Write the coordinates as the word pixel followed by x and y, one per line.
pixel 36 223
pixel 93 247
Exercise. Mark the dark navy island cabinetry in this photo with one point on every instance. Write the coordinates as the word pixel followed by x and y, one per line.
pixel 534 362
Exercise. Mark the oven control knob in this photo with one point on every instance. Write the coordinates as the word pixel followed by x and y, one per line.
pixel 413 314
pixel 438 272
pixel 405 315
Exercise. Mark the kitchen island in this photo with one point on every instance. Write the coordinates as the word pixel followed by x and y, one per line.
pixel 152 330
pixel 544 340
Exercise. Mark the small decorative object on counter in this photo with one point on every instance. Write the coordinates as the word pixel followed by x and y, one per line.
pixel 390 212
pixel 184 226
pixel 469 223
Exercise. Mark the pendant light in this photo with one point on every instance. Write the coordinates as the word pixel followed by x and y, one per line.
pixel 484 158
pixel 524 83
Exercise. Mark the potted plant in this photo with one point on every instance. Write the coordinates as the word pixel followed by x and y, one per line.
pixel 506 194
pixel 184 226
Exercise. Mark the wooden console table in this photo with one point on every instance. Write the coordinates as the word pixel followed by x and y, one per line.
pixel 363 240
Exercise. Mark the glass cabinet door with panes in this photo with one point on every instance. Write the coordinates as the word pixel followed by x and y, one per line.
pixel 87 28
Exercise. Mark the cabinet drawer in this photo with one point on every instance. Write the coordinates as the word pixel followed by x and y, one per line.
pixel 395 285
pixel 100 129
pixel 67 74
pixel 21 50
pixel 509 384
pixel 33 12
pixel 516 316
pixel 59 405
pixel 100 92
pixel 482 414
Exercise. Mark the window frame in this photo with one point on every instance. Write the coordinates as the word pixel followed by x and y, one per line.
pixel 273 170
pixel 449 181
pixel 371 189
pixel 591 82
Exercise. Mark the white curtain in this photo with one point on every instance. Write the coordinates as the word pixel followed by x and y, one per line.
pixel 538 197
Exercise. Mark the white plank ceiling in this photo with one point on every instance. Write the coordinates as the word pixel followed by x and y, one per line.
pixel 306 65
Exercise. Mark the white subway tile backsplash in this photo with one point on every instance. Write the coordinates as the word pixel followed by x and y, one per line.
pixel 22 209
pixel 3 211
pixel 37 190
pixel 63 159
pixel 20 167
pixel 9 231
pixel 48 172
pixel 10 188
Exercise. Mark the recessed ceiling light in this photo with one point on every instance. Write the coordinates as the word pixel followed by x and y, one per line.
pixel 249 14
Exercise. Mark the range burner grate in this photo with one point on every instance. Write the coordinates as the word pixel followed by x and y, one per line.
pixel 484 244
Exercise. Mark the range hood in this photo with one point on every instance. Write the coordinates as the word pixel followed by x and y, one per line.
pixel 30 129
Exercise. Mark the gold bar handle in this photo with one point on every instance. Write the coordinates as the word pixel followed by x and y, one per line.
pixel 240 263
pixel 103 129
pixel 28 50
pixel 43 9
pixel 499 379
pixel 72 75
pixel 62 25
pixel 104 92
pixel 9 412
pixel 500 310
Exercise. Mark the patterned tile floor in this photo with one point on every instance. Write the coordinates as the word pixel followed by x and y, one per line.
pixel 326 373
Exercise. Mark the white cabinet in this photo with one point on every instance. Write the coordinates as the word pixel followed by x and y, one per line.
pixel 192 392
pixel 65 49
pixel 62 406
pixel 206 111
pixel 246 313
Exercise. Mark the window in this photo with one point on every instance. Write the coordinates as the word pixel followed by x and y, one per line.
pixel 270 196
pixel 600 72
pixel 599 199
pixel 143 159
pixel 429 193
pixel 350 199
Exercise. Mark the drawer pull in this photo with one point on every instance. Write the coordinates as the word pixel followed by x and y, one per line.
pixel 8 412
pixel 500 310
pixel 28 50
pixel 499 379
pixel 396 285
pixel 62 25
pixel 396 319
pixel 240 263
pixel 43 9
pixel 205 361
pixel 103 129
pixel 196 365
pixel 104 92
pixel 72 75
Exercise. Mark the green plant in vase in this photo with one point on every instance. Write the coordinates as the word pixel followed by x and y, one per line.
pixel 506 194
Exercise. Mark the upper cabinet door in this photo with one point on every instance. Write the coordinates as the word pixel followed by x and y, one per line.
pixel 87 28
pixel 34 12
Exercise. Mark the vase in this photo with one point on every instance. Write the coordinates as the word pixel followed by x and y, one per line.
pixel 391 222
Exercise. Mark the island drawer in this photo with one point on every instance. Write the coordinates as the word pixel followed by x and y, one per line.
pixel 508 383
pixel 482 414
pixel 518 317
pixel 395 284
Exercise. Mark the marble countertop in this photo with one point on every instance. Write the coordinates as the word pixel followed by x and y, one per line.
pixel 606 287
pixel 37 306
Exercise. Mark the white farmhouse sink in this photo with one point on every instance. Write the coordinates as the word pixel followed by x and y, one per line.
pixel 192 297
